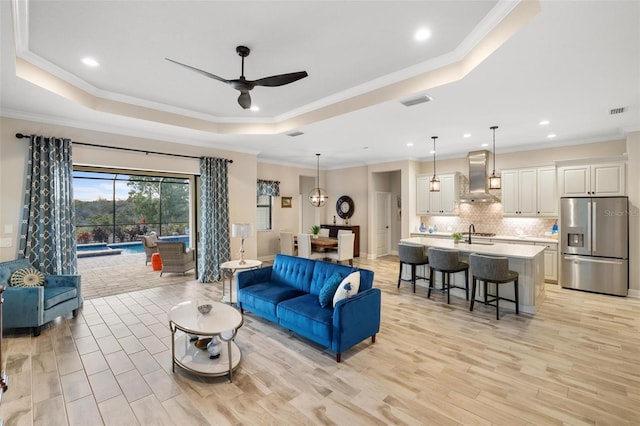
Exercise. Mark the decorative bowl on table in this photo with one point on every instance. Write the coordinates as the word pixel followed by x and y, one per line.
pixel 205 308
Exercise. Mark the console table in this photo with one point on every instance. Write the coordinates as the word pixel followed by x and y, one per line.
pixel 333 233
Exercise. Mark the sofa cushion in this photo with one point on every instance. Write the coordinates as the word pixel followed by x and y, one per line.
pixel 292 271
pixel 347 287
pixel 265 296
pixel 56 295
pixel 305 313
pixel 326 294
pixel 323 271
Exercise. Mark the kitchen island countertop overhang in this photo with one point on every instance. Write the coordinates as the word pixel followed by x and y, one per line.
pixel 527 260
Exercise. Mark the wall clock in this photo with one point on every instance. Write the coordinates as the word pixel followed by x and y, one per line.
pixel 345 207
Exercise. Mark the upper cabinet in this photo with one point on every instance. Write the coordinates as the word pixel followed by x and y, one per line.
pixel 442 202
pixel 592 180
pixel 529 192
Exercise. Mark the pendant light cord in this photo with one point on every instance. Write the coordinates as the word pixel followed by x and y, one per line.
pixel 494 149
pixel 434 155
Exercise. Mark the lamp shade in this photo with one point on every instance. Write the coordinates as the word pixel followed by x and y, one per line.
pixel 241 230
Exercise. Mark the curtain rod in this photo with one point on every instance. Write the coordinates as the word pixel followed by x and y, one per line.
pixel 21 136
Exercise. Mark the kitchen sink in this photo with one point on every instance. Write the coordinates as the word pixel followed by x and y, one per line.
pixel 482 243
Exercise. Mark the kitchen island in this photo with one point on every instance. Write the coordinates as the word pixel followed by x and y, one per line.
pixel 527 260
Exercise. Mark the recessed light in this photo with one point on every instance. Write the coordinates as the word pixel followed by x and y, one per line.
pixel 466 135
pixel 432 152
pixel 551 135
pixel 544 122
pixel 255 108
pixel 422 34
pixel 484 145
pixel 410 144
pixel 90 62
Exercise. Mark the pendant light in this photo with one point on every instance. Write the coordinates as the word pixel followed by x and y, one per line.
pixel 494 180
pixel 434 183
pixel 318 197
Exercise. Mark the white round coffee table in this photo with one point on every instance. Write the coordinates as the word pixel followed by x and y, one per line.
pixel 232 266
pixel 222 323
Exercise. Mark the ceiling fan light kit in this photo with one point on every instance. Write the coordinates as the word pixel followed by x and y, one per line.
pixel 243 85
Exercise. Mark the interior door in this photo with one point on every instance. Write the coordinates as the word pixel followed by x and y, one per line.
pixel 383 223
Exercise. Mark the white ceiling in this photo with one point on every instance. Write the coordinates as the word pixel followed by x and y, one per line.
pixel 567 62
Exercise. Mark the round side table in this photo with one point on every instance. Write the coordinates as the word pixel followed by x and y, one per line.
pixel 232 266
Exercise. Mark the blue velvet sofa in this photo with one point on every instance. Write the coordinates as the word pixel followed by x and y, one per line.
pixel 36 306
pixel 287 294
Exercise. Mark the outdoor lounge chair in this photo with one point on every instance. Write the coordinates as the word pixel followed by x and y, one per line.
pixel 176 257
pixel 149 243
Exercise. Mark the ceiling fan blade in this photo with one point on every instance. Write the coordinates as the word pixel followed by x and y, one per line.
pixel 280 80
pixel 244 100
pixel 205 73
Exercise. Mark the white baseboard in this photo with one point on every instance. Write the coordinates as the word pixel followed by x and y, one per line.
pixel 634 293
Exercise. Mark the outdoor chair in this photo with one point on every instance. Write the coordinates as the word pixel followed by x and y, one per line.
pixel 32 299
pixel 176 258
pixel 149 242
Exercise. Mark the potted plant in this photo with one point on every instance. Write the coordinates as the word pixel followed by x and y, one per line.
pixel 456 237
pixel 315 229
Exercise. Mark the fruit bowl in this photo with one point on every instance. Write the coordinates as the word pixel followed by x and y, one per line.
pixel 205 308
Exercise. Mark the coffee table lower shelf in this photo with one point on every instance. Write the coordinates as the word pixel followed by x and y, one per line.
pixel 197 361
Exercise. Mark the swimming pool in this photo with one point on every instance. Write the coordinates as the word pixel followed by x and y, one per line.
pixel 104 249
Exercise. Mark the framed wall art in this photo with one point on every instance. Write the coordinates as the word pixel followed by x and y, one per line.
pixel 286 202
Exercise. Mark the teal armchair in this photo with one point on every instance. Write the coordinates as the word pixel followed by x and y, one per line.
pixel 35 306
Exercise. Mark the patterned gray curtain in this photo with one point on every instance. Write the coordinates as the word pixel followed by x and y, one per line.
pixel 268 187
pixel 215 247
pixel 48 234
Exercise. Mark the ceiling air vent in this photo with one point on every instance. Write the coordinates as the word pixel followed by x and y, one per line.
pixel 294 134
pixel 415 101
pixel 615 111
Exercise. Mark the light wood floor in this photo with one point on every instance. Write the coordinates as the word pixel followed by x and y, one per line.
pixel 575 362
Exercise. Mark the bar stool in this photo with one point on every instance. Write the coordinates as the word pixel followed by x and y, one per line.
pixel 412 255
pixel 490 269
pixel 448 262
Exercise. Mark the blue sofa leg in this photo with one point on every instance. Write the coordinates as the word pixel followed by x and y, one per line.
pixel 338 357
pixel 75 313
pixel 36 331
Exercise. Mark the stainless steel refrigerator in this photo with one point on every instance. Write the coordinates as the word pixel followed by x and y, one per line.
pixel 594 244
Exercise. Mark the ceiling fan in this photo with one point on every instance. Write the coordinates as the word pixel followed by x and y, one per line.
pixel 244 85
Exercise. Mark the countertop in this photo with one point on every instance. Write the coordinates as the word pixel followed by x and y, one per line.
pixel 524 238
pixel 520 251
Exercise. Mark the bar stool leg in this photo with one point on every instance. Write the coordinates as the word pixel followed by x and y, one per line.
pixel 448 288
pixel 516 292
pixel 400 274
pixel 413 277
pixel 473 292
pixel 466 283
pixel 497 301
pixel 431 276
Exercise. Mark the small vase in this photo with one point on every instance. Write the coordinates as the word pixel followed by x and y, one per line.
pixel 315 236
pixel 456 241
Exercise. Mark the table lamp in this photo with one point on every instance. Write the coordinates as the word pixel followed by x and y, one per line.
pixel 241 230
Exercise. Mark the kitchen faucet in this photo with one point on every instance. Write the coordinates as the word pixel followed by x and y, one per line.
pixel 471 227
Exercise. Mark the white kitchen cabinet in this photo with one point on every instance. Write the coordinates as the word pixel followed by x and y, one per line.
pixel 442 202
pixel 592 180
pixel 529 192
pixel 519 192
pixel 551 263
pixel 546 192
pixel 422 195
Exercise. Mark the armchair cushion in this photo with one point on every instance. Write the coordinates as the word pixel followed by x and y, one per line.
pixel 27 277
pixel 56 295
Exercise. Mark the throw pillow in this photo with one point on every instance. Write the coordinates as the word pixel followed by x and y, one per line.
pixel 348 287
pixel 5 274
pixel 27 277
pixel 328 289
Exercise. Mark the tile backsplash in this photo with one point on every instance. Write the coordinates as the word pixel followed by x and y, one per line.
pixel 488 218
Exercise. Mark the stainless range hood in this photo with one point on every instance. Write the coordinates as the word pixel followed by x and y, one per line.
pixel 478 178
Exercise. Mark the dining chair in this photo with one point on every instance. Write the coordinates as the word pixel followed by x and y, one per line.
pixel 345 249
pixel 324 232
pixel 344 231
pixel 304 248
pixel 287 245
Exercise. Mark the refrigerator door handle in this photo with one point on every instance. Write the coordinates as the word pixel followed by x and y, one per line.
pixel 594 215
pixel 589 227
pixel 590 260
